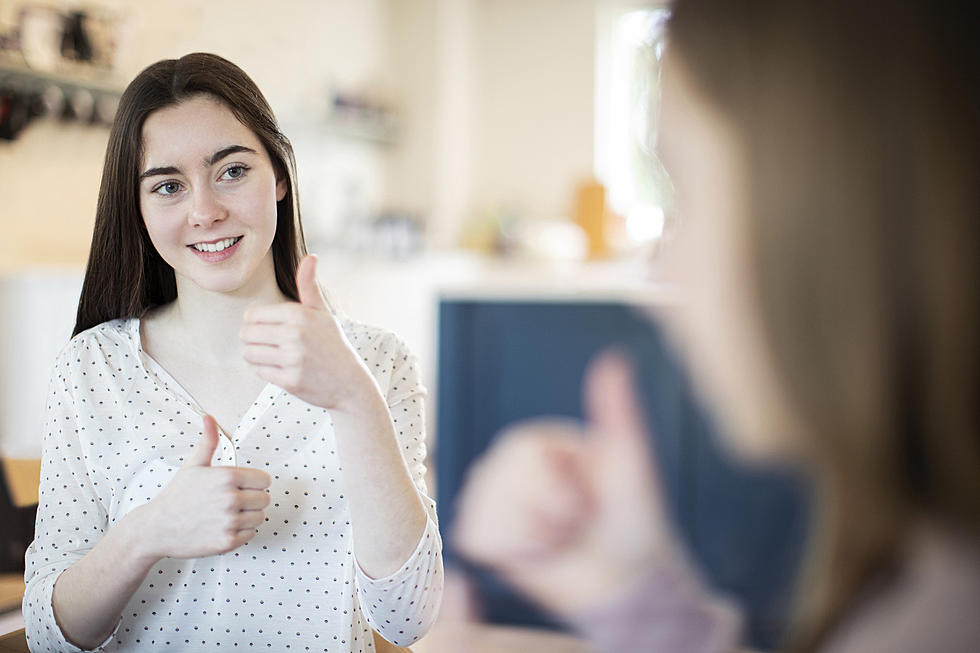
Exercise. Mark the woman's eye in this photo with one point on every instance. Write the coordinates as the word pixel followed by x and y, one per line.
pixel 235 172
pixel 167 188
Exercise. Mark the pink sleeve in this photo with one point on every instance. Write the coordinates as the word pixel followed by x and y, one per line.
pixel 665 610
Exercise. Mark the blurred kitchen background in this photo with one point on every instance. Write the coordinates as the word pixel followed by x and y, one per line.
pixel 476 175
pixel 439 143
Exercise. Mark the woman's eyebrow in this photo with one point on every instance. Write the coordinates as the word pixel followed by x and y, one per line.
pixel 165 170
pixel 208 161
pixel 226 151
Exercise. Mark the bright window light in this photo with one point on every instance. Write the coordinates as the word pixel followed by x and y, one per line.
pixel 629 53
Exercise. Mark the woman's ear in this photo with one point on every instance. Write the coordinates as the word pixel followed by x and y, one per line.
pixel 282 185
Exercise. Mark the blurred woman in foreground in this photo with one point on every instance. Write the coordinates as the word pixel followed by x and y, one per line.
pixel 825 161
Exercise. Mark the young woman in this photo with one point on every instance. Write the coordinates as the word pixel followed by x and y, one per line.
pixel 226 463
pixel 825 162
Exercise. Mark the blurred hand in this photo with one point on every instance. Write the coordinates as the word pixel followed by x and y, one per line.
pixel 569 515
pixel 205 510
pixel 301 348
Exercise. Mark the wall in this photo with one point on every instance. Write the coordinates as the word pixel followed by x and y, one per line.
pixel 497 97
pixel 534 102
pixel 36 317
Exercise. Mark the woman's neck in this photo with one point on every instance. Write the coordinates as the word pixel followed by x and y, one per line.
pixel 208 322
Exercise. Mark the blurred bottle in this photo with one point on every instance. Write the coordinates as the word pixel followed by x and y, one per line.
pixel 590 214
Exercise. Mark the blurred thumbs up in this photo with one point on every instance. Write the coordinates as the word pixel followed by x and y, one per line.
pixel 621 461
pixel 570 515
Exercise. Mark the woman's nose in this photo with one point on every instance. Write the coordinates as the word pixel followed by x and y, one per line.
pixel 206 209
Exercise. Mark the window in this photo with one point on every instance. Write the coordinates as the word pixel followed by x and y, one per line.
pixel 629 50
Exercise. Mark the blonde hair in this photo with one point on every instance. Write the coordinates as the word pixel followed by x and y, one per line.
pixel 859 125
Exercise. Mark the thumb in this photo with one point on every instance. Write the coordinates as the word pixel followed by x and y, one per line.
pixel 622 455
pixel 309 291
pixel 611 402
pixel 204 449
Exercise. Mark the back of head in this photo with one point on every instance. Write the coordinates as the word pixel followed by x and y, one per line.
pixel 125 275
pixel 859 123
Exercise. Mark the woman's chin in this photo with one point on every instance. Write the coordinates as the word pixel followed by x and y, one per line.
pixel 758 445
pixel 753 434
pixel 224 284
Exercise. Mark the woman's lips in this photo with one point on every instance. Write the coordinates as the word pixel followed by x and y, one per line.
pixel 222 255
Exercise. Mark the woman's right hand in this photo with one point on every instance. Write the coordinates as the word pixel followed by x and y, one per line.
pixel 204 510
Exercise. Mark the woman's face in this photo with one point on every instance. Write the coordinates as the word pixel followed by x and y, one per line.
pixel 208 194
pixel 717 327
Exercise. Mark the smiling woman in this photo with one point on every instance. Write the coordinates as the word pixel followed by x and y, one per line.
pixel 300 518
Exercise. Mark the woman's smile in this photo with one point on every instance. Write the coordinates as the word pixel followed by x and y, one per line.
pixel 215 251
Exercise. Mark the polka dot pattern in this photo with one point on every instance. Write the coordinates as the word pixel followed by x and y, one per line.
pixel 118 427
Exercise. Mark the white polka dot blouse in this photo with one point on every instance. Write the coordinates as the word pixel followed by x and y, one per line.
pixel 118 428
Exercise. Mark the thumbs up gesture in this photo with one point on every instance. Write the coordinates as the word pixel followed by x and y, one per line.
pixel 301 348
pixel 204 450
pixel 205 510
pixel 570 514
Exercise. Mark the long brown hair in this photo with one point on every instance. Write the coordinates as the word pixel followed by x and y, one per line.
pixel 858 122
pixel 125 274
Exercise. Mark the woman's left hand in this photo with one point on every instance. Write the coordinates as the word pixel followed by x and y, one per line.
pixel 301 348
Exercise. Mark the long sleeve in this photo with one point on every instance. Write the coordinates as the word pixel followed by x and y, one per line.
pixel 666 610
pixel 71 517
pixel 402 606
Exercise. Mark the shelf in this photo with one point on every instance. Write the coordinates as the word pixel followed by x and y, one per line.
pixel 357 128
pixel 18 75
pixel 76 91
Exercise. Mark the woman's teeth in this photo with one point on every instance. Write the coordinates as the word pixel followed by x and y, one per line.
pixel 216 247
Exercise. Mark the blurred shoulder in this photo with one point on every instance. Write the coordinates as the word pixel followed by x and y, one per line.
pixel 930 605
